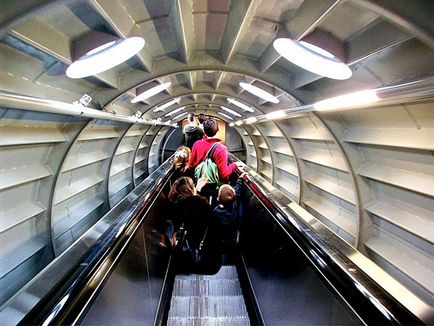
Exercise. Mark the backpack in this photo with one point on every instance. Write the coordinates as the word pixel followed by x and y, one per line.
pixel 208 167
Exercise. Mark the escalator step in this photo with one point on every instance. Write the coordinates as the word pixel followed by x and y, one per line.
pixel 225 272
pixel 206 287
pixel 208 306
pixel 222 321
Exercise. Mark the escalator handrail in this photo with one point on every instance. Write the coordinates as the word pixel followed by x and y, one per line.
pixel 68 300
pixel 370 301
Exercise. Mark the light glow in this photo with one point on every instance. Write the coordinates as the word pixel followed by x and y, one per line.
pixel 275 115
pixel 259 92
pixel 174 111
pixel 180 115
pixel 105 57
pixel 239 123
pixel 347 101
pixel 232 124
pixel 151 92
pixel 230 111
pixel 241 105
pixel 307 57
pixel 317 49
pixel 226 116
pixel 166 105
pixel 251 120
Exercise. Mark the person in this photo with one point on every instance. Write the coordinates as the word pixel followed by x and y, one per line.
pixel 220 155
pixel 228 212
pixel 201 118
pixel 180 162
pixel 193 213
pixel 192 131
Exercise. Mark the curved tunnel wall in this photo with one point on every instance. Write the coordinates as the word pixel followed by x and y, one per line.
pixel 358 176
pixel 367 174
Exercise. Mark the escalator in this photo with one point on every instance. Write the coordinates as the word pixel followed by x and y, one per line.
pixel 282 272
pixel 208 300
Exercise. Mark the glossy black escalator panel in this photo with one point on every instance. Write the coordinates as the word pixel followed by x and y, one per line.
pixel 132 293
pixel 287 289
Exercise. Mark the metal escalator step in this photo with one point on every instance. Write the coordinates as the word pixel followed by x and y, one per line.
pixel 206 287
pixel 221 321
pixel 208 306
pixel 225 272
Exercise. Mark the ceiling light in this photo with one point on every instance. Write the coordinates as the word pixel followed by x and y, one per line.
pixel 166 105
pixel 105 57
pixel 346 101
pixel 225 115
pixel 180 115
pixel 317 49
pixel 232 124
pixel 174 111
pixel 312 57
pixel 239 123
pixel 144 94
pixel 241 105
pixel 230 111
pixel 275 115
pixel 259 92
pixel 251 120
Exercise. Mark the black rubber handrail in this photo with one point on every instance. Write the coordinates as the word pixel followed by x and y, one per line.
pixel 68 300
pixel 372 303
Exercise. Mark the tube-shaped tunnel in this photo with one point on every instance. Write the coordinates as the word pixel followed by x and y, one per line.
pixel 365 171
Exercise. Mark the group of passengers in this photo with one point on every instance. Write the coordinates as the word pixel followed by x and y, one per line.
pixel 206 209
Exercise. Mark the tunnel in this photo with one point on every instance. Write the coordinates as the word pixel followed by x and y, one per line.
pixel 340 135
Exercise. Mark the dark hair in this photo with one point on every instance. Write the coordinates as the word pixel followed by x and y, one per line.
pixel 226 195
pixel 210 127
pixel 190 117
pixel 201 118
pixel 182 188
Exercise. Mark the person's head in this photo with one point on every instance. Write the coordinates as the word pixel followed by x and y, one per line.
pixel 181 158
pixel 210 127
pixel 201 118
pixel 226 195
pixel 190 118
pixel 182 188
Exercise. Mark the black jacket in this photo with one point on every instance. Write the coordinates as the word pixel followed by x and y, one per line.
pixel 192 134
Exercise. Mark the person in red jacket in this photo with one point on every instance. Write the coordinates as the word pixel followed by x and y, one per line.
pixel 220 156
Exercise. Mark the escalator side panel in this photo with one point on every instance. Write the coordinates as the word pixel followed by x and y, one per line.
pixel 288 291
pixel 131 295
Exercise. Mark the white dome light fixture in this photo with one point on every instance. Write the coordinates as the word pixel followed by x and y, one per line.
pixel 230 111
pixel 174 111
pixel 259 92
pixel 166 105
pixel 251 120
pixel 179 116
pixel 319 52
pixel 145 92
pixel 225 115
pixel 347 101
pixel 103 57
pixel 275 115
pixel 241 105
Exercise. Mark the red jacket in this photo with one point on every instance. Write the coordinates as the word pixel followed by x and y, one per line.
pixel 220 156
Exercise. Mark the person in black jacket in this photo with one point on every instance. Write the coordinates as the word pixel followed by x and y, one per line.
pixel 228 213
pixel 192 131
pixel 193 213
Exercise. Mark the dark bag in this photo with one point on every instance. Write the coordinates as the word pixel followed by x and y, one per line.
pixel 188 255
